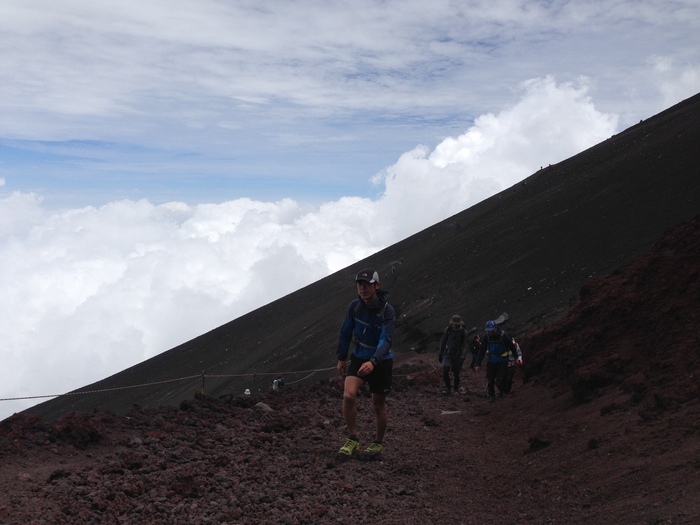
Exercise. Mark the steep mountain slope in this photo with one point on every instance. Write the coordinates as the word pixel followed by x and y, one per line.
pixel 637 329
pixel 604 430
pixel 527 251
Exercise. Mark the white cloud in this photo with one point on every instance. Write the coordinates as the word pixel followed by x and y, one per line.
pixel 549 123
pixel 676 82
pixel 199 103
pixel 87 292
pixel 19 213
pixel 111 103
pixel 143 68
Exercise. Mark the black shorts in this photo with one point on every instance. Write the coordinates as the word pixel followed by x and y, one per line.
pixel 379 379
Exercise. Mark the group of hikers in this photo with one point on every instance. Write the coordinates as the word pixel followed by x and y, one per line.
pixel 502 351
pixel 369 322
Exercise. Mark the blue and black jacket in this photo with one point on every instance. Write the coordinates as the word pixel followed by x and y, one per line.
pixel 372 326
pixel 497 346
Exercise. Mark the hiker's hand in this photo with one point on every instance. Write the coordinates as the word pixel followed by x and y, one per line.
pixel 365 369
pixel 520 361
pixel 477 368
pixel 341 368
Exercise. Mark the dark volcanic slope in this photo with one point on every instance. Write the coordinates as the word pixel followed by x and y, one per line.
pixel 637 329
pixel 527 251
pixel 605 431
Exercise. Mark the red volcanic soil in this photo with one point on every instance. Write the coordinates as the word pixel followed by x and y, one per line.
pixel 602 427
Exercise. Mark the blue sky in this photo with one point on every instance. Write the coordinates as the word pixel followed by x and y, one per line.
pixel 148 152
pixel 200 102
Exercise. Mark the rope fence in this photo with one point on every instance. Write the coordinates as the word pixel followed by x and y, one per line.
pixel 85 392
pixel 203 376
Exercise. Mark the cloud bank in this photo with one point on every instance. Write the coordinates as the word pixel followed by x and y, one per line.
pixel 87 292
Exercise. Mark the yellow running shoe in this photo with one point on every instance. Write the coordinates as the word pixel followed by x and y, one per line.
pixel 374 448
pixel 351 445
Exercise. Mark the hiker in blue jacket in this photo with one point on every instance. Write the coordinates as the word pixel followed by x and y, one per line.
pixel 371 319
pixel 496 344
pixel 453 352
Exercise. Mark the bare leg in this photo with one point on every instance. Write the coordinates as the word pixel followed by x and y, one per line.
pixel 382 416
pixel 352 387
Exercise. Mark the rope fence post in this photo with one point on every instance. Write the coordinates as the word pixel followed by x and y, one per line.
pixel 203 379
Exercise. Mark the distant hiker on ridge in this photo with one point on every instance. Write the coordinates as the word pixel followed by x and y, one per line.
pixel 453 352
pixel 496 343
pixel 371 318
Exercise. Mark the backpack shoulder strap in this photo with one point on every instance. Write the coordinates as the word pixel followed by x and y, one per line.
pixel 356 305
pixel 382 310
pixel 506 340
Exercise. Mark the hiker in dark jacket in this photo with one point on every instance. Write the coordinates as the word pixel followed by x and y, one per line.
pixel 496 344
pixel 371 319
pixel 453 352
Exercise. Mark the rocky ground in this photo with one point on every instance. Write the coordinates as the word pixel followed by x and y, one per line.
pixel 602 427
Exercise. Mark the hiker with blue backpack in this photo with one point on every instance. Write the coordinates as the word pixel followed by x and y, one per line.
pixel 497 344
pixel 370 318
